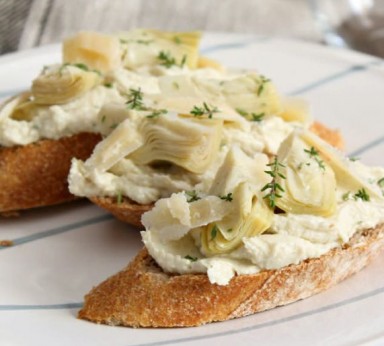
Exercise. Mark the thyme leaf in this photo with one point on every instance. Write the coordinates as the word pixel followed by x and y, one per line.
pixel 362 194
pixel 228 197
pixel 273 187
pixel 192 196
pixel 314 154
pixel 204 110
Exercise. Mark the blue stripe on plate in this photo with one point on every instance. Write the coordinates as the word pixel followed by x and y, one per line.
pixel 40 307
pixel 335 76
pixel 233 45
pixel 271 323
pixel 57 230
pixel 375 143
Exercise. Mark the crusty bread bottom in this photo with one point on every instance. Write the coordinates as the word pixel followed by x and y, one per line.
pixel 142 295
pixel 127 210
pixel 35 175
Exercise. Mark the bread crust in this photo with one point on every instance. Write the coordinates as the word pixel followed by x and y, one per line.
pixel 35 175
pixel 127 210
pixel 142 295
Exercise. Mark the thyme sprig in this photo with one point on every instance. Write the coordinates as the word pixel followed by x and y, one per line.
pixel 275 189
pixel 192 196
pixel 156 113
pixel 314 154
pixel 167 60
pixel 204 110
pixel 262 82
pixel 251 116
pixel 228 197
pixel 214 231
pixel 362 194
pixel 135 100
pixel 191 258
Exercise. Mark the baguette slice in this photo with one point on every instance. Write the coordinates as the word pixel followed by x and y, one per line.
pixel 130 212
pixel 142 295
pixel 127 210
pixel 35 175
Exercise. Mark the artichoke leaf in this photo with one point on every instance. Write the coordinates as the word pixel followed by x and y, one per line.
pixel 143 47
pixel 122 141
pixel 308 183
pixel 97 51
pixel 346 175
pixel 62 84
pixel 249 216
pixel 18 107
pixel 187 142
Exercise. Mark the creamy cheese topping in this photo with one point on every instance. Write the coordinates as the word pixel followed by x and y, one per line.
pixel 290 239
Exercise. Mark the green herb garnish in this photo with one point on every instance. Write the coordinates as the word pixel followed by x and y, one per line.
pixel 362 194
pixel 251 116
pixel 314 154
pixel 119 198
pixel 135 100
pixel 228 197
pixel 380 182
pixel 214 231
pixel 205 110
pixel 177 40
pixel 262 83
pixel 346 196
pixel 275 189
pixel 168 61
pixel 192 196
pixel 108 85
pixel 191 258
pixel 156 113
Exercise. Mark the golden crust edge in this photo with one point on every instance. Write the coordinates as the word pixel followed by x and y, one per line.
pixel 35 175
pixel 142 295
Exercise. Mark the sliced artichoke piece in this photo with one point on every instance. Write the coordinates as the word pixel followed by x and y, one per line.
pixel 98 51
pixel 238 168
pixel 251 95
pixel 344 170
pixel 249 217
pixel 307 183
pixel 296 109
pixel 187 142
pixel 59 85
pixel 204 62
pixel 121 142
pixel 153 47
pixel 19 107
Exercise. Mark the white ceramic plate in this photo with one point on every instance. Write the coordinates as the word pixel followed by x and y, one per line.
pixel 59 253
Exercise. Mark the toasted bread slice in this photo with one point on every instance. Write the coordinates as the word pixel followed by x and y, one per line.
pixel 130 212
pixel 142 295
pixel 35 175
pixel 126 210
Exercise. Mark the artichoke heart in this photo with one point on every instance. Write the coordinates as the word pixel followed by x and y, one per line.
pixel 187 142
pixel 19 107
pixel 143 47
pixel 249 216
pixel 251 95
pixel 63 84
pixel 346 175
pixel 98 51
pixel 308 183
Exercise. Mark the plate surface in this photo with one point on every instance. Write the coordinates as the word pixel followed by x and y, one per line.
pixel 60 253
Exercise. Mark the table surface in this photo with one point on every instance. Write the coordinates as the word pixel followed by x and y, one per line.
pixel 29 23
